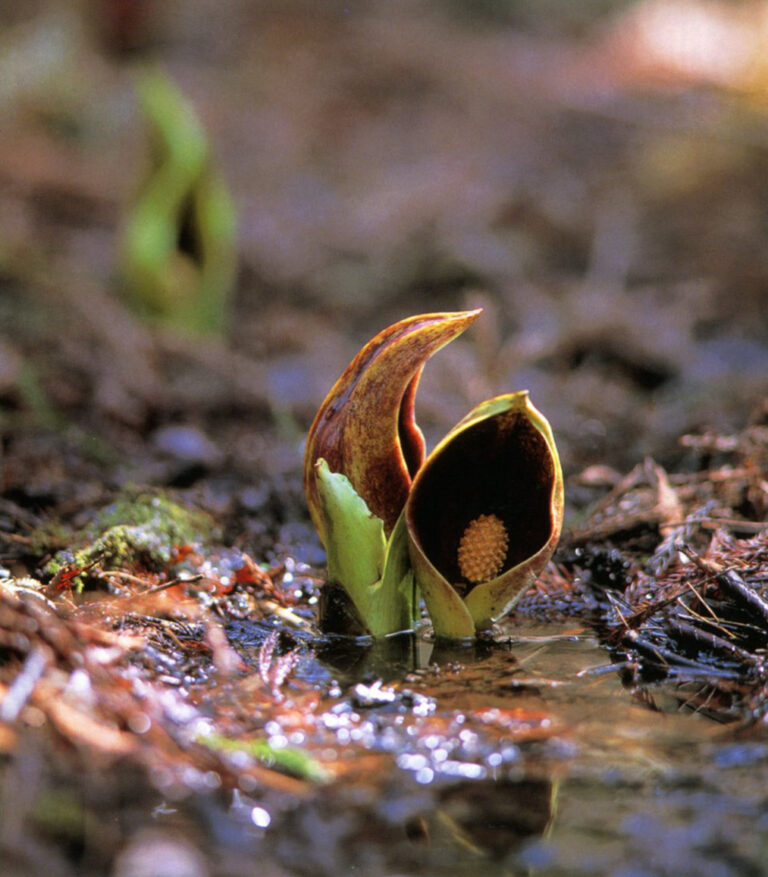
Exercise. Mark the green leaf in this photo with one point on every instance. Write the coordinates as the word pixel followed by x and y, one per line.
pixel 288 760
pixel 356 549
pixel 398 574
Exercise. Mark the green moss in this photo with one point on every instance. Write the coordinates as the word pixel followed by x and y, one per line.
pixel 137 508
pixel 138 529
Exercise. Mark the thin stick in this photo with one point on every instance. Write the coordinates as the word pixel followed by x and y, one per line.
pixel 731 582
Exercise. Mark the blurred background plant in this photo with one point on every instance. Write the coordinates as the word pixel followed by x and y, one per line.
pixel 178 249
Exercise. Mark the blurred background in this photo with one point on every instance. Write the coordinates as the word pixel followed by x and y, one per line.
pixel 593 174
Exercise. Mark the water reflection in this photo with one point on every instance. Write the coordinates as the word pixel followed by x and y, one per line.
pixel 514 757
pixel 394 657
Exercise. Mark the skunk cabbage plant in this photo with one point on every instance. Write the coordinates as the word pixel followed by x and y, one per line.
pixel 469 527
pixel 178 259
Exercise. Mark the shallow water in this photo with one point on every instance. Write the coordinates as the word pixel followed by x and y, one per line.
pixel 528 757
pixel 645 792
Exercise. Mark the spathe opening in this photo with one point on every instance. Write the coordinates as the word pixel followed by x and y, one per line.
pixel 500 466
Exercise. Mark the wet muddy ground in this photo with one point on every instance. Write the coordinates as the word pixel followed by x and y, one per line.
pixel 596 181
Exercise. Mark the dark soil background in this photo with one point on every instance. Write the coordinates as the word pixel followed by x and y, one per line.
pixel 593 174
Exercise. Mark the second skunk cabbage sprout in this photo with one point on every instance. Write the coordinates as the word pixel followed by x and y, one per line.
pixel 470 527
pixel 178 248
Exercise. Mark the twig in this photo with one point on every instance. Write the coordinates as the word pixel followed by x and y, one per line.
pixel 693 589
pixel 669 659
pixel 707 522
pixel 731 582
pixel 23 685
pixel 711 640
pixel 173 582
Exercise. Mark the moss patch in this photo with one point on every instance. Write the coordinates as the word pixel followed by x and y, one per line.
pixel 138 530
